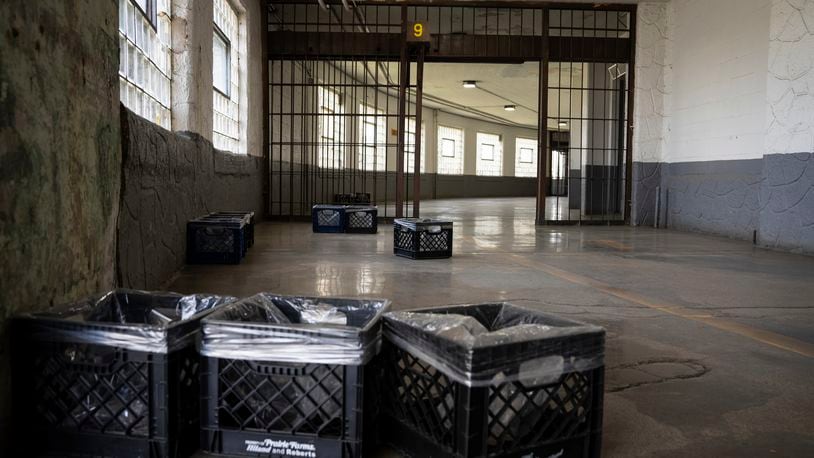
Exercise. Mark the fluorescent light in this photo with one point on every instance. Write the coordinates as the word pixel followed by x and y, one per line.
pixel 509 107
pixel 470 84
pixel 563 124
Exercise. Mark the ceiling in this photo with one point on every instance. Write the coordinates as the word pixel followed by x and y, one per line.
pixel 498 85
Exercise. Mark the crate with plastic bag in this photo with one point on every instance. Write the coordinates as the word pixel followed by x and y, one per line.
pixel 111 375
pixel 291 376
pixel 491 380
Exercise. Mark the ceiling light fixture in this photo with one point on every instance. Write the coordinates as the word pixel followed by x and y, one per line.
pixel 470 84
pixel 509 107
pixel 563 124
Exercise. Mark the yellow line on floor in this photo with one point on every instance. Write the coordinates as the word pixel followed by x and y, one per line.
pixel 767 337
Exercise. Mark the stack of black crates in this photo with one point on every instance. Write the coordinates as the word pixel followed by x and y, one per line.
pixel 220 237
pixel 120 375
pixel 350 219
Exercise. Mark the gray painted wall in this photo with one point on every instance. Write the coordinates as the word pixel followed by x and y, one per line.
pixel 382 187
pixel 169 178
pixel 787 198
pixel 770 198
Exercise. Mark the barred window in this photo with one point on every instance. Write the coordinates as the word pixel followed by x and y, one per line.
pixel 450 151
pixel 145 59
pixel 409 147
pixel 490 155
pixel 331 129
pixel 372 139
pixel 525 161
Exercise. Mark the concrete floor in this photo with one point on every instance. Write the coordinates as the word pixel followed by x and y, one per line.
pixel 710 348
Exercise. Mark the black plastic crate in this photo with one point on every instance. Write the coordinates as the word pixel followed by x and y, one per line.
pixel 361 220
pixel 444 398
pixel 76 395
pixel 249 226
pixel 290 390
pixel 328 218
pixel 216 240
pixel 422 238
pixel 242 218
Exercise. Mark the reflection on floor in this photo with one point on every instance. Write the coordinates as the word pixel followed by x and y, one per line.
pixel 710 345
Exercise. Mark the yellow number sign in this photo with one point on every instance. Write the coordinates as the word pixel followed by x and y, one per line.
pixel 418 30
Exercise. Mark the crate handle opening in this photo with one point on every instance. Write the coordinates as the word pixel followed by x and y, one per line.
pixel 433 229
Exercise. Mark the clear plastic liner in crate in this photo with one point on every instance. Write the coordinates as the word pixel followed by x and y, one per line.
pixel 289 329
pixel 430 225
pixel 153 322
pixel 491 344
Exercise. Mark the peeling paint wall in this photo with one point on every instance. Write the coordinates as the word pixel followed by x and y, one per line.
pixel 651 117
pixel 59 157
pixel 787 195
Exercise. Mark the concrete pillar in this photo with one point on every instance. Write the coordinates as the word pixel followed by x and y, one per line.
pixel 192 28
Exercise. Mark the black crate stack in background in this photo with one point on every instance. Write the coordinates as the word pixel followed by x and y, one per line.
pixel 220 237
pixel 418 238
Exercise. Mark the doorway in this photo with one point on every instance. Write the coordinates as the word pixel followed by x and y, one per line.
pixel 344 83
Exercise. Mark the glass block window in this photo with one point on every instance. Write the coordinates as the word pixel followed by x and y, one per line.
pixel 490 155
pixel 226 78
pixel 331 128
pixel 372 139
pixel 525 159
pixel 145 58
pixel 409 147
pixel 450 151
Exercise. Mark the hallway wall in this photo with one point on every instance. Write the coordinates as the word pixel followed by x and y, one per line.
pixel 59 159
pixel 724 119
pixel 169 178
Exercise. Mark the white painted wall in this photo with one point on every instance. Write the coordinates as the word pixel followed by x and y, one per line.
pixel 719 82
pixel 790 86
pixel 653 91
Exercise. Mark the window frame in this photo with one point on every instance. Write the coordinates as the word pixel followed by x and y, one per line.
pixel 496 161
pixel 531 155
pixel 151 14
pixel 220 34
pixel 491 158
pixel 444 141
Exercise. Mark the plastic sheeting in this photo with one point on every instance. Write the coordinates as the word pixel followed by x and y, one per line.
pixel 430 225
pixel 288 329
pixel 153 322
pixel 491 344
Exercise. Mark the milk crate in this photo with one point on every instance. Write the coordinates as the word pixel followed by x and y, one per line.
pixel 445 398
pixel 422 238
pixel 216 240
pixel 361 220
pixel 311 394
pixel 113 377
pixel 328 218
pixel 249 223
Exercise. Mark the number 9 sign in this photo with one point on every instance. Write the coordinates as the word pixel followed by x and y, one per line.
pixel 417 32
